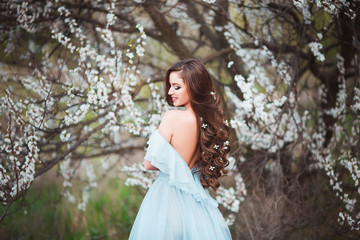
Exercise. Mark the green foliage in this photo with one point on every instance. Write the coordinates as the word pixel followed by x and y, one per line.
pixel 43 214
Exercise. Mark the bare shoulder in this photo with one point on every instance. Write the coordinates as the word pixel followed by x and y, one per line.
pixel 179 117
pixel 171 114
pixel 166 125
pixel 175 121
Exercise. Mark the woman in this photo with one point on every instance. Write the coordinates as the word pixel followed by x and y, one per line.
pixel 189 149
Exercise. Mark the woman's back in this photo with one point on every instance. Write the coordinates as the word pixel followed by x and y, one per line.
pixel 179 128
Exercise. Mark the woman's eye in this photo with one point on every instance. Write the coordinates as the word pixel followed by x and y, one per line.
pixel 177 88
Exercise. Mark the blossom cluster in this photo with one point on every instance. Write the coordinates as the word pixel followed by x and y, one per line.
pixel 267 118
pixel 265 109
pixel 231 198
pixel 304 7
pixel 339 152
pixel 315 48
pixel 85 97
pixel 139 176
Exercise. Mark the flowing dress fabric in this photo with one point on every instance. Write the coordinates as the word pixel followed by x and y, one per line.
pixel 176 207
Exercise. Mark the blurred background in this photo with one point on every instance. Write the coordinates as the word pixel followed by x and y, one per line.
pixel 82 89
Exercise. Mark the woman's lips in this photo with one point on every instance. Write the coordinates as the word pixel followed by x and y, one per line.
pixel 173 99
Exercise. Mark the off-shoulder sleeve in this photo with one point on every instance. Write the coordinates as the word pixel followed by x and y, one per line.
pixel 163 156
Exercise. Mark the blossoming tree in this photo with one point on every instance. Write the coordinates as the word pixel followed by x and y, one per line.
pixel 76 75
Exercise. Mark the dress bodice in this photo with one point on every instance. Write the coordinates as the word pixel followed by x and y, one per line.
pixel 173 168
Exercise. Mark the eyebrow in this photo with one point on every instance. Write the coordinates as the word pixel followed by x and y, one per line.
pixel 173 83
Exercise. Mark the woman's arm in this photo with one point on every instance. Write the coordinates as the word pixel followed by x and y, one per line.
pixel 165 131
pixel 149 166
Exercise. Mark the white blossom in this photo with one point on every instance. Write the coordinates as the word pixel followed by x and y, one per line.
pixel 303 6
pixel 315 48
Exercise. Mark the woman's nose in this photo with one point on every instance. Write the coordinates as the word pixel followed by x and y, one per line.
pixel 170 92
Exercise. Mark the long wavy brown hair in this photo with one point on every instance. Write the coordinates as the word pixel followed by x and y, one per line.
pixel 214 131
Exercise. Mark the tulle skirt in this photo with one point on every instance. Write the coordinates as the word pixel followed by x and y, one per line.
pixel 170 213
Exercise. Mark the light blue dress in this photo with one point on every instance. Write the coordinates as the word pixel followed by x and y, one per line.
pixel 176 207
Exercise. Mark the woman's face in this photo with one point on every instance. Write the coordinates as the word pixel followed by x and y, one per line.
pixel 178 90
